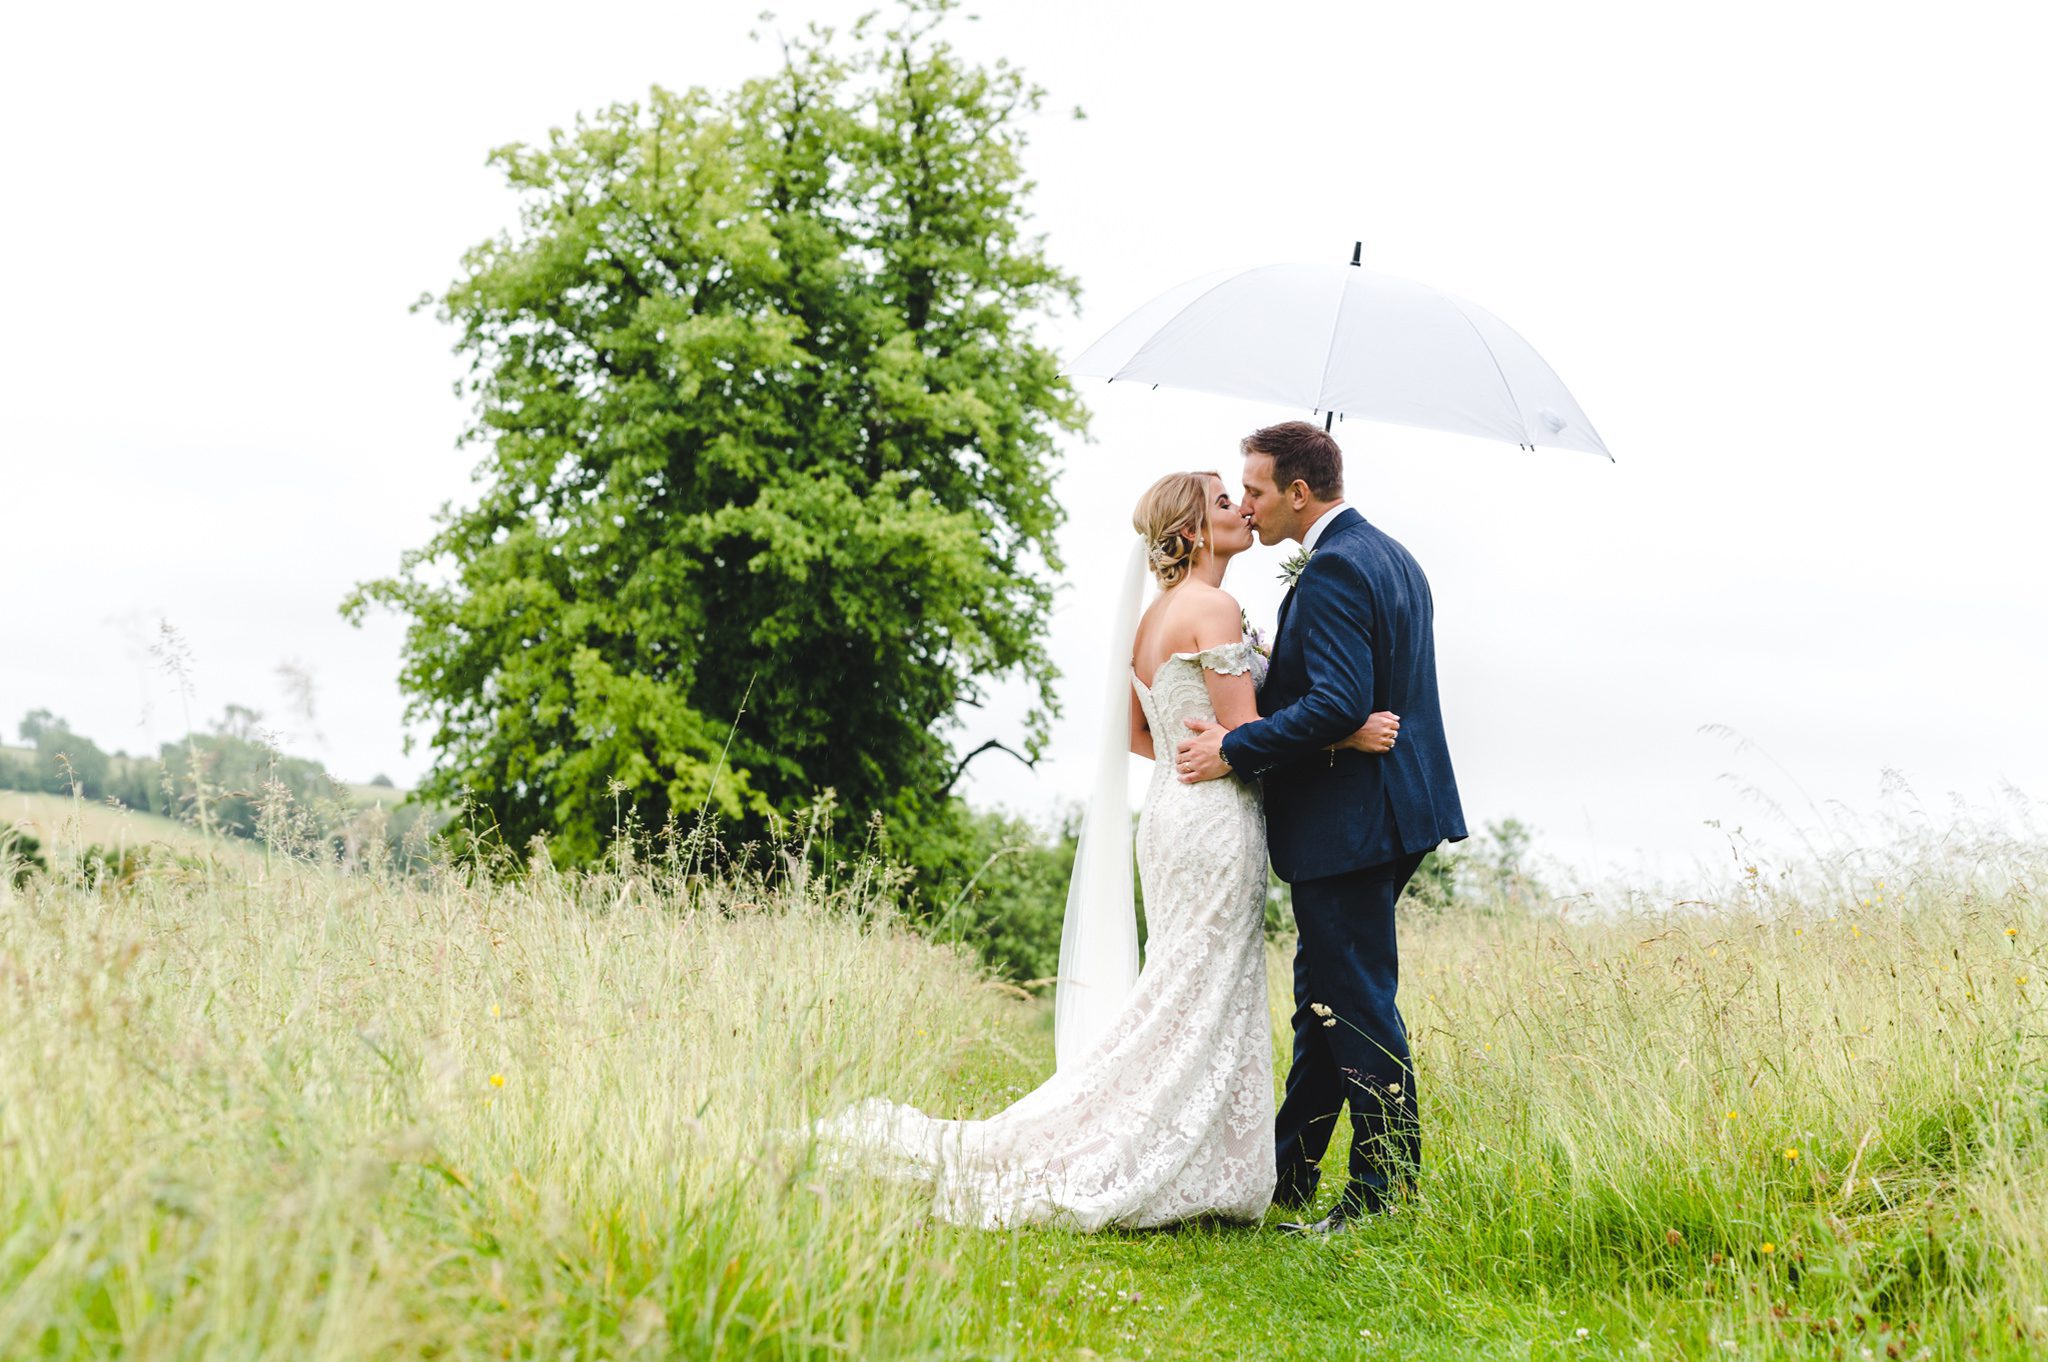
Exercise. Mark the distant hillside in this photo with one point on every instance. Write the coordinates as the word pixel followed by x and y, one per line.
pixel 67 825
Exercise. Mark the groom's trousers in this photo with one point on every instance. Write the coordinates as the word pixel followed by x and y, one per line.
pixel 1350 1044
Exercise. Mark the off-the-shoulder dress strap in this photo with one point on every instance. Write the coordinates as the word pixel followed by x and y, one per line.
pixel 1232 659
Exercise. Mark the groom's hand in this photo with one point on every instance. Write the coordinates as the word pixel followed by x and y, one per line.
pixel 1201 757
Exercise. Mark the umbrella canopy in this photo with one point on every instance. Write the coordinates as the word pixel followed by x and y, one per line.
pixel 1343 340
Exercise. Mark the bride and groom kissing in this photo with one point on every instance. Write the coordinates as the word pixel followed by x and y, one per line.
pixel 1327 754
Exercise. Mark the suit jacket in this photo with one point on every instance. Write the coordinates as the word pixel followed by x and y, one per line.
pixel 1356 634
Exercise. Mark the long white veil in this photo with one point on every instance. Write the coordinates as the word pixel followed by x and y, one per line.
pixel 1099 937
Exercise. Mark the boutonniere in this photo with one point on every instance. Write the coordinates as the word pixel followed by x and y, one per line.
pixel 1291 569
pixel 1253 636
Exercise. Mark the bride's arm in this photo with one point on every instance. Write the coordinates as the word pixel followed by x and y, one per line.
pixel 1232 695
pixel 1141 732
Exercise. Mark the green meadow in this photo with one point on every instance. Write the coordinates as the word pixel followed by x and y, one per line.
pixel 255 1109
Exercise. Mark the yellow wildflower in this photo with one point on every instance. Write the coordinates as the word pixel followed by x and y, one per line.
pixel 497 1080
pixel 1791 1154
pixel 1767 1247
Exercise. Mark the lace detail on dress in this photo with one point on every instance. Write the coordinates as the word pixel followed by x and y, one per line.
pixel 1232 659
pixel 1172 1115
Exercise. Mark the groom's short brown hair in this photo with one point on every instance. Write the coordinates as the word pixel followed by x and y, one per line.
pixel 1300 452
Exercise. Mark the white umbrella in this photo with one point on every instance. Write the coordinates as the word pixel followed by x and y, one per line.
pixel 1342 340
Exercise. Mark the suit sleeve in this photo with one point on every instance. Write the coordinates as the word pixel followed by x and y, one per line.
pixel 1333 606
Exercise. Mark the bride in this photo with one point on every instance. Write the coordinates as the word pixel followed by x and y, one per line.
pixel 1161 1104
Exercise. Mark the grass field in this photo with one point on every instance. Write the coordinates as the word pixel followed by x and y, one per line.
pixel 300 1115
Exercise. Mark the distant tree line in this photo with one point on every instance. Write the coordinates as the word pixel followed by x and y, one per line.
pixel 227 780
pixel 1005 895
pixel 58 759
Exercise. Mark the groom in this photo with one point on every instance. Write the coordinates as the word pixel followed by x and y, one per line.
pixel 1346 829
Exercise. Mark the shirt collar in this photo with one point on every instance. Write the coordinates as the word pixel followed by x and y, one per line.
pixel 1315 531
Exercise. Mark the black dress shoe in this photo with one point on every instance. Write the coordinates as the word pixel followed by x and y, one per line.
pixel 1336 1222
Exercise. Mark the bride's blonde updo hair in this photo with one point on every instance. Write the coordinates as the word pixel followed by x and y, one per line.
pixel 1173 508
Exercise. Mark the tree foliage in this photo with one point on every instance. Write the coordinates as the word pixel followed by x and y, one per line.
pixel 767 491
pixel 236 770
pixel 999 883
pixel 63 759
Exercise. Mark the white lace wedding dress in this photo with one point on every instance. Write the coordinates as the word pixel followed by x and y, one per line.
pixel 1171 1115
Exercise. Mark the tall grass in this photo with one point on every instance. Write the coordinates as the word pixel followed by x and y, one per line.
pixel 300 1113
pixel 315 1116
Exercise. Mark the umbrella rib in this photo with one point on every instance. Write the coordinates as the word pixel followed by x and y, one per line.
pixel 1494 360
pixel 1330 350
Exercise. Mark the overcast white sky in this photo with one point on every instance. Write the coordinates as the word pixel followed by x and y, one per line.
pixel 1787 256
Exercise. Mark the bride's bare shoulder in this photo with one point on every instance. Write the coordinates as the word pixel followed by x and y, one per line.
pixel 1209 599
pixel 1190 617
pixel 1213 613
pixel 1192 601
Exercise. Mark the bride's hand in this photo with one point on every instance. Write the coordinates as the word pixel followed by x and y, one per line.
pixel 1378 736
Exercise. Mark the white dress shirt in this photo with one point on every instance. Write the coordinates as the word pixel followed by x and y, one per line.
pixel 1315 531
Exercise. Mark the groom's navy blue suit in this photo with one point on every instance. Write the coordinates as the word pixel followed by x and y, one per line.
pixel 1347 830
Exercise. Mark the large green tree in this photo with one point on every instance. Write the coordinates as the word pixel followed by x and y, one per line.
pixel 767 496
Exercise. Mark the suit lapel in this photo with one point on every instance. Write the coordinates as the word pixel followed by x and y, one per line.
pixel 1339 523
